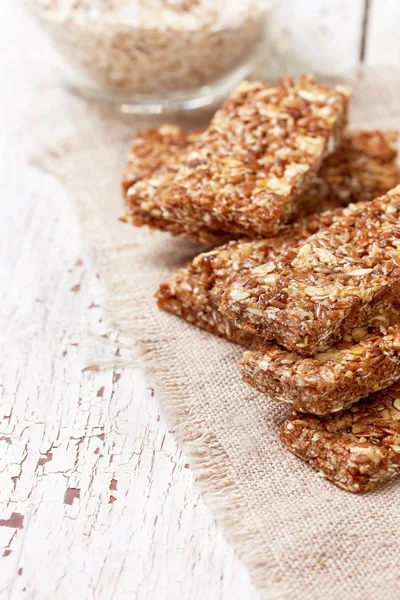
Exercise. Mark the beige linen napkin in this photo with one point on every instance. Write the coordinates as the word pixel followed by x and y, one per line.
pixel 299 536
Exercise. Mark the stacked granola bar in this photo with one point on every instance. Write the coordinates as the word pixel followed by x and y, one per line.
pixel 358 448
pixel 247 172
pixel 310 278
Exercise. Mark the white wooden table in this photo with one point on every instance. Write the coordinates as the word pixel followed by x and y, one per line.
pixel 96 500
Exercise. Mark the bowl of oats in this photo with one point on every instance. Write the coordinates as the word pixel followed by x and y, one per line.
pixel 153 56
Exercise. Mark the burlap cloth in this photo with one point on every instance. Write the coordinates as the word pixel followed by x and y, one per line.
pixel 299 535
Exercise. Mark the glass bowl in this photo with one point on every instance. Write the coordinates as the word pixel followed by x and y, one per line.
pixel 153 56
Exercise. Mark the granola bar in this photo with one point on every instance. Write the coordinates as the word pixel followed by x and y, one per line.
pixel 154 159
pixel 186 295
pixel 153 150
pixel 194 292
pixel 367 360
pixel 247 171
pixel 321 289
pixel 225 264
pixel 363 167
pixel 358 448
pixel 364 163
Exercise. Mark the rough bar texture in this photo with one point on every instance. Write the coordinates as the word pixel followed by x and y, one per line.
pixel 363 167
pixel 222 266
pixel 366 361
pixel 322 289
pixel 263 148
pixel 194 292
pixel 154 159
pixel 358 448
pixel 154 151
pixel 185 294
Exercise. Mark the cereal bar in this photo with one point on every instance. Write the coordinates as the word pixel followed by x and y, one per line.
pixel 363 167
pixel 153 161
pixel 358 448
pixel 155 149
pixel 263 148
pixel 322 289
pixel 187 295
pixel 194 292
pixel 367 360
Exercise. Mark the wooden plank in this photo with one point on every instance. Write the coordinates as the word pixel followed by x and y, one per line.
pixel 96 500
pixel 383 39
pixel 95 497
pixel 313 36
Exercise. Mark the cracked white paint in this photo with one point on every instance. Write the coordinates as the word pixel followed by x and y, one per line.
pixel 109 507
pixel 96 500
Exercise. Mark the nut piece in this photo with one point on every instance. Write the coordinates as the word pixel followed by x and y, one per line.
pixel 338 280
pixel 357 449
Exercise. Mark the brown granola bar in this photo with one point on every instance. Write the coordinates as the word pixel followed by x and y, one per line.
pixel 263 148
pixel 321 289
pixel 363 167
pixel 186 294
pixel 358 448
pixel 194 292
pixel 225 264
pixel 367 360
pixel 154 159
pixel 157 151
pixel 246 172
